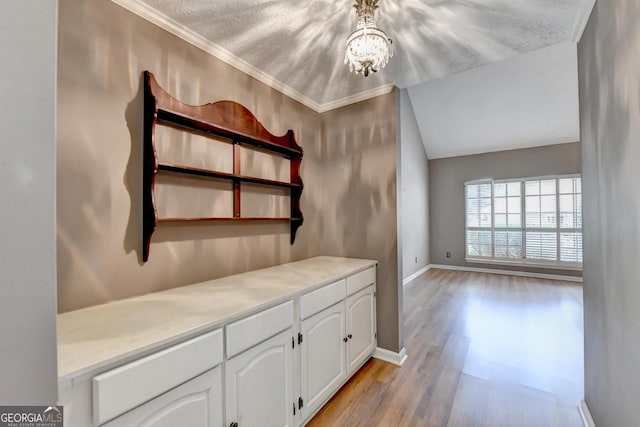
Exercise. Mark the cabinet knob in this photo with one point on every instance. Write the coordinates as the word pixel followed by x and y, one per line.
pixel 233 424
pixel 349 336
pixel 345 339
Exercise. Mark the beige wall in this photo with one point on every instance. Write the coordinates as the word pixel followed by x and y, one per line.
pixel 359 218
pixel 103 51
pixel 349 167
pixel 609 79
pixel 446 191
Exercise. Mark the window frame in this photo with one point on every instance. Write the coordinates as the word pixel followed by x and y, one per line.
pixel 523 261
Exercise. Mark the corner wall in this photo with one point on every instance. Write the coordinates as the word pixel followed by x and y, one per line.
pixel 446 190
pixel 360 204
pixel 609 80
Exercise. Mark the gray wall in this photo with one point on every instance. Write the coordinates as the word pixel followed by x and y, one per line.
pixel 28 367
pixel 414 197
pixel 446 190
pixel 609 79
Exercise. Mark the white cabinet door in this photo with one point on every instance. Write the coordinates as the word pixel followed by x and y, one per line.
pixel 361 326
pixel 196 403
pixel 259 384
pixel 322 352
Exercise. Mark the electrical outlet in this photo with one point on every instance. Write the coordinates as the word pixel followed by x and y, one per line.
pixel 448 254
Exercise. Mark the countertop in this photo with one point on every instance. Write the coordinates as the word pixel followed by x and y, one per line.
pixel 95 337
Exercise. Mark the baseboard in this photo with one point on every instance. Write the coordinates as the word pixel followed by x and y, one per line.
pixel 390 356
pixel 585 415
pixel 416 274
pixel 509 272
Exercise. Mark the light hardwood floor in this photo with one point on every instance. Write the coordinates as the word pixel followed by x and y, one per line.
pixel 484 350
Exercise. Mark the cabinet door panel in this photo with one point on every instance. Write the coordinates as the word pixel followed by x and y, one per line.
pixel 323 364
pixel 259 384
pixel 361 323
pixel 196 403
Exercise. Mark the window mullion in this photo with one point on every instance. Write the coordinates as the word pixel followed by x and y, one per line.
pixel 557 220
pixel 522 221
pixel 493 220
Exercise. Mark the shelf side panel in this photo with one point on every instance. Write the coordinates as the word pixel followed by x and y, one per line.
pixel 149 167
pixel 296 194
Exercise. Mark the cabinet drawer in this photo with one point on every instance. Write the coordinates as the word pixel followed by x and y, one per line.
pixel 128 386
pixel 198 402
pixel 316 301
pixel 247 332
pixel 361 280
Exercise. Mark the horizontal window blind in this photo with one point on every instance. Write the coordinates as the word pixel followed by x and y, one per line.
pixel 479 214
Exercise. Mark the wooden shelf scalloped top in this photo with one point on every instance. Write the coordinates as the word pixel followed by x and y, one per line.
pixel 227 119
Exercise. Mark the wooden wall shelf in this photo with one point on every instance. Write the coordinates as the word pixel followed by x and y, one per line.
pixel 226 119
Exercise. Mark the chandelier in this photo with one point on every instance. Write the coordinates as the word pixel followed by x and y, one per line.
pixel 368 47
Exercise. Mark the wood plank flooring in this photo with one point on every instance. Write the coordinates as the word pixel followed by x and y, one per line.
pixel 484 350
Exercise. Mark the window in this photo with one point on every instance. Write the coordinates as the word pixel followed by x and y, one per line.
pixel 527 221
pixel 479 238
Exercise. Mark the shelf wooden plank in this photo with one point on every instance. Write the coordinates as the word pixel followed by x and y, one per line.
pixel 225 219
pixel 183 121
pixel 206 173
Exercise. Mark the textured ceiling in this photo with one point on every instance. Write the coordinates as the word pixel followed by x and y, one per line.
pixel 297 46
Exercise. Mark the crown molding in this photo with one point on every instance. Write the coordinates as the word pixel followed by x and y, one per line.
pixel 152 15
pixel 352 99
pixel 581 20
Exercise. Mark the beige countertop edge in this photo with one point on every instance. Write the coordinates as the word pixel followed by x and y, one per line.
pixel 77 370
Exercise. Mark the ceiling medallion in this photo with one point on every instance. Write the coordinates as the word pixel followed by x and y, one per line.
pixel 368 47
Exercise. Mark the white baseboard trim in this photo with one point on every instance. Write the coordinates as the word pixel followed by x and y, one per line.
pixel 416 274
pixel 390 356
pixel 509 272
pixel 585 415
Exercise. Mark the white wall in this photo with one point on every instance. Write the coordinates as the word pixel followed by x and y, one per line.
pixel 414 203
pixel 28 364
pixel 524 101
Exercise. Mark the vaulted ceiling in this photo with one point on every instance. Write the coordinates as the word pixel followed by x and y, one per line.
pixel 297 46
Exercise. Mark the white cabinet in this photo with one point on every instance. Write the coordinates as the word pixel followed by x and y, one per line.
pixel 196 403
pixel 322 352
pixel 259 384
pixel 271 365
pixel 361 327
pixel 337 340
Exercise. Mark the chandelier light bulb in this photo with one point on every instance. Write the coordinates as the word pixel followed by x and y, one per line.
pixel 368 48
